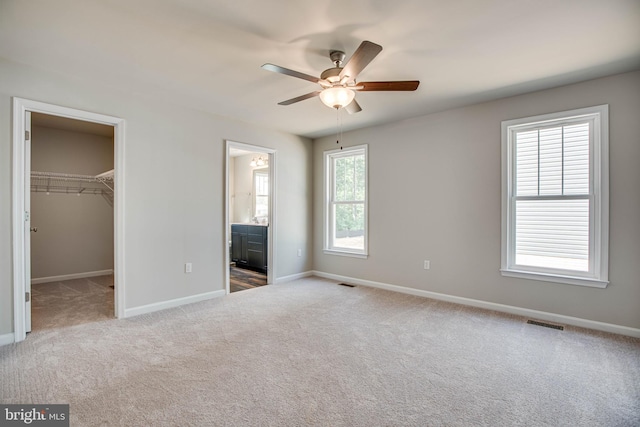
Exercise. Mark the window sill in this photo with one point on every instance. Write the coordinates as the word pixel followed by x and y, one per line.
pixel 547 277
pixel 345 253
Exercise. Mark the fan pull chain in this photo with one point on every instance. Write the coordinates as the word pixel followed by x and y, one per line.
pixel 338 127
pixel 341 130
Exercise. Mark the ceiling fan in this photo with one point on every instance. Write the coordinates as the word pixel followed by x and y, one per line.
pixel 339 84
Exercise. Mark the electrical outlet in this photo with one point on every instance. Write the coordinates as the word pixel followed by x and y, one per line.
pixel 299 252
pixel 427 264
pixel 188 267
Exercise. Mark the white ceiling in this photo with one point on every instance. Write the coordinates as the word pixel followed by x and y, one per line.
pixel 207 54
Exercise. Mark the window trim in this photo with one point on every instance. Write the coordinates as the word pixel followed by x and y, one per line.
pixel 598 276
pixel 329 155
pixel 259 171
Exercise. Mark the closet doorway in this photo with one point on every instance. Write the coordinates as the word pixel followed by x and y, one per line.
pixel 63 201
pixel 72 222
pixel 250 216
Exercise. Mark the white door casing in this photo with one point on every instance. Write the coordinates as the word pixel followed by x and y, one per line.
pixel 271 230
pixel 21 178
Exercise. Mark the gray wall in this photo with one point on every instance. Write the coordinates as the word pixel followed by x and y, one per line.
pixel 434 193
pixel 174 197
pixel 75 233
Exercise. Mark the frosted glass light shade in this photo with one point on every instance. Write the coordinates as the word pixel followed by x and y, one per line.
pixel 337 97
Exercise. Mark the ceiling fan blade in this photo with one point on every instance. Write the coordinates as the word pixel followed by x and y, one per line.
pixel 288 72
pixel 353 107
pixel 300 98
pixel 360 59
pixel 406 85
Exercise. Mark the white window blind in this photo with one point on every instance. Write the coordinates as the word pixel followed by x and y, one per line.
pixel 552 197
pixel 555 197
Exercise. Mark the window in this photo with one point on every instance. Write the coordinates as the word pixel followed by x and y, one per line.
pixel 555 197
pixel 346 201
pixel 261 193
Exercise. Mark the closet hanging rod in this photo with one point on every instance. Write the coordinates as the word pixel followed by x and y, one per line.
pixel 54 182
pixel 107 176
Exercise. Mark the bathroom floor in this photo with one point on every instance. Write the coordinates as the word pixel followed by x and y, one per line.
pixel 241 279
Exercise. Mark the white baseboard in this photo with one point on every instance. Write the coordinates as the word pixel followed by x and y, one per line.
pixel 150 308
pixel 7 339
pixel 525 312
pixel 294 277
pixel 71 276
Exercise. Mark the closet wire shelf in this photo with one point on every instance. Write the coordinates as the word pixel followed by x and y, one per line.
pixel 53 182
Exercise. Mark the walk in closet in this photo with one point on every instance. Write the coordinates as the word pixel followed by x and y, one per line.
pixel 72 222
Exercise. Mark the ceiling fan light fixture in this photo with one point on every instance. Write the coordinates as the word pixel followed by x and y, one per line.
pixel 337 97
pixel 338 84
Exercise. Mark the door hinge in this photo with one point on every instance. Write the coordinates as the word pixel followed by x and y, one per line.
pixel 27 216
pixel 27 135
pixel 27 296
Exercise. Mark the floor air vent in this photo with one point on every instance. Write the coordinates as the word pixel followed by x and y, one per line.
pixel 347 285
pixel 545 324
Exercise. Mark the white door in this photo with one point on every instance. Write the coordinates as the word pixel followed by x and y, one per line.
pixel 27 221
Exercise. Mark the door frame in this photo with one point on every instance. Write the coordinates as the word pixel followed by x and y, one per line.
pixel 21 188
pixel 271 230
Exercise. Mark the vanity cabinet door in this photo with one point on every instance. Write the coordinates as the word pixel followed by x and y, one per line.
pixel 239 244
pixel 256 248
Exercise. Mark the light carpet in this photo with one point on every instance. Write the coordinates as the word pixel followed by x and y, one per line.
pixel 71 302
pixel 311 352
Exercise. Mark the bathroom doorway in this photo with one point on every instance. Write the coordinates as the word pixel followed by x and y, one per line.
pixel 250 216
